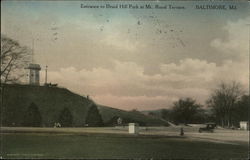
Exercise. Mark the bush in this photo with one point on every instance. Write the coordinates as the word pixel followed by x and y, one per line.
pixel 94 119
pixel 32 118
pixel 66 118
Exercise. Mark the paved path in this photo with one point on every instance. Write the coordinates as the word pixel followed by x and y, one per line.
pixel 219 135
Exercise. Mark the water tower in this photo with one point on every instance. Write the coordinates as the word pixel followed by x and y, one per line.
pixel 34 75
pixel 34 69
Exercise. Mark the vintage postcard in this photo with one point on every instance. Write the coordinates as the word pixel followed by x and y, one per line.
pixel 124 79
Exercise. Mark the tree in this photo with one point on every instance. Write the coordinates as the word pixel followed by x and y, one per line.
pixel 32 117
pixel 223 100
pixel 185 111
pixel 14 58
pixel 94 119
pixel 241 110
pixel 66 118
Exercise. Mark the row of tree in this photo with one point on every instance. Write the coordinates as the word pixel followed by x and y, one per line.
pixel 33 118
pixel 226 106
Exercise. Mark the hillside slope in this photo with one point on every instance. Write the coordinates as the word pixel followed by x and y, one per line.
pixel 52 100
pixel 129 116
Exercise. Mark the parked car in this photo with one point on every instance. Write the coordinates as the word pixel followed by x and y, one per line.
pixel 209 128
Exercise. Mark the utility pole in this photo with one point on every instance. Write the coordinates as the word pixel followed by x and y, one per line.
pixel 32 61
pixel 46 69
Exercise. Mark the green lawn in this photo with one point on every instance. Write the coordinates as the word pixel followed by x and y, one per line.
pixel 44 145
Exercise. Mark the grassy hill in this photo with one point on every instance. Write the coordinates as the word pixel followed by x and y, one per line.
pixel 52 100
pixel 129 116
pixel 155 112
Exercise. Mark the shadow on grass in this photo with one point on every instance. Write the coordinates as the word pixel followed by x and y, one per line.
pixel 114 146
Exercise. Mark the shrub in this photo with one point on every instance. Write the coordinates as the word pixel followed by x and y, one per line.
pixel 32 118
pixel 94 119
pixel 66 118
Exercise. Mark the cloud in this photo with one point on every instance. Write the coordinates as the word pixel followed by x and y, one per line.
pixel 125 65
pixel 237 41
pixel 120 41
pixel 138 102
pixel 195 68
pixel 126 85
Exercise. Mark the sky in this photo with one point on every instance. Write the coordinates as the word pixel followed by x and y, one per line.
pixel 142 59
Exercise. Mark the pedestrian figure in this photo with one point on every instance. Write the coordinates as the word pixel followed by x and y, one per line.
pixel 182 132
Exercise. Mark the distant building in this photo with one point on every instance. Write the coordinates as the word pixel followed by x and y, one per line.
pixel 34 75
pixel 244 125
